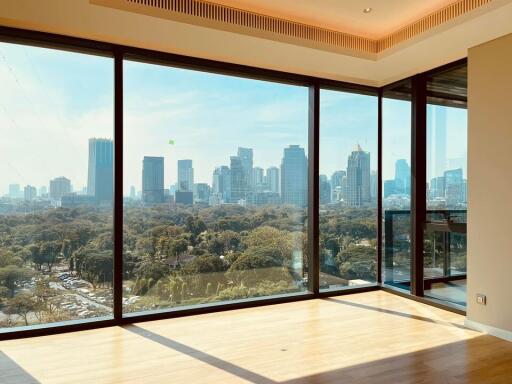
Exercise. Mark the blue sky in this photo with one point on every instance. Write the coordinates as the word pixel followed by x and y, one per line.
pixel 52 102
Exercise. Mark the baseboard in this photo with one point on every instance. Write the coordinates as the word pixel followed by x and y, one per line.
pixel 498 332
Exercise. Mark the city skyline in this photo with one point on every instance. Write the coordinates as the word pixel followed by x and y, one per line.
pixel 79 105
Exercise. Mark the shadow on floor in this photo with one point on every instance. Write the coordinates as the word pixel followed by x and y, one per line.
pixel 12 373
pixel 395 313
pixel 480 360
pixel 235 370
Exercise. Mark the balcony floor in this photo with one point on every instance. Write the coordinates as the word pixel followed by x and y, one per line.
pixel 454 292
pixel 361 338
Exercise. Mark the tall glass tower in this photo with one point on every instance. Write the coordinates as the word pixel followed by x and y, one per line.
pixel 294 176
pixel 101 173
pixel 358 178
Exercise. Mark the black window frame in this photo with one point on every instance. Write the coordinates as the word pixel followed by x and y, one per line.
pixel 119 53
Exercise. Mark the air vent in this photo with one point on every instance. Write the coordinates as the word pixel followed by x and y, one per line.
pixel 431 21
pixel 204 13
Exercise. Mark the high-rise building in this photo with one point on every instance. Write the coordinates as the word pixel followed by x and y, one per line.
pixel 358 178
pixel 101 172
pixel 436 140
pixel 324 189
pixel 373 186
pixel 389 188
pixel 294 176
pixel 59 187
pixel 185 175
pixel 246 157
pixel 338 181
pixel 15 191
pixel 238 179
pixel 132 192
pixel 201 193
pixel 221 183
pixel 153 180
pixel 437 188
pixel 29 192
pixel 272 179
pixel 184 197
pixel 454 187
pixel 258 184
pixel 402 177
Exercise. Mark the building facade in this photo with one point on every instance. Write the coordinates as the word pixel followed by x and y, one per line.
pixel 294 176
pixel 101 173
pixel 153 180
pixel 358 178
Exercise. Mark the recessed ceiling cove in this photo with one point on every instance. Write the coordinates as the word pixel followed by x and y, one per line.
pixel 363 28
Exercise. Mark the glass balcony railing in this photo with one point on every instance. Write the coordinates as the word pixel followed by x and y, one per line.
pixel 444 249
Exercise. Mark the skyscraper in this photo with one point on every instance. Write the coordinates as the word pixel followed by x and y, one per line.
pixel 238 179
pixel 14 191
pixel 389 188
pixel 436 140
pixel 325 190
pixel 221 183
pixel 374 186
pixel 437 188
pixel 133 194
pixel 185 175
pixel 272 177
pixel 153 180
pixel 257 179
pixel 30 192
pixel 245 155
pixel 358 178
pixel 100 174
pixel 294 176
pixel 454 188
pixel 338 183
pixel 58 187
pixel 202 192
pixel 402 177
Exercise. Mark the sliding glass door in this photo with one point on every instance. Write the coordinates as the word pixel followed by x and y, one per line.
pixel 445 227
pixel 424 132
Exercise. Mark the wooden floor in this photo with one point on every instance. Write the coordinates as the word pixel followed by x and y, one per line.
pixel 373 337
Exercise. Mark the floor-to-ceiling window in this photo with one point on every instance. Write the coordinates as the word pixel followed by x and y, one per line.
pixel 216 193
pixel 56 186
pixel 215 188
pixel 445 227
pixel 348 189
pixel 396 188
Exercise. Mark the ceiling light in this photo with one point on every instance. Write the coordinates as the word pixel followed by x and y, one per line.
pixel 367 10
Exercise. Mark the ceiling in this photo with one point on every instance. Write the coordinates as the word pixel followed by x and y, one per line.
pixel 347 16
pixel 443 44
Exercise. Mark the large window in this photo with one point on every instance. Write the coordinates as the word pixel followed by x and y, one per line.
pixel 445 228
pixel 396 188
pixel 56 177
pixel 215 185
pixel 348 189
pixel 215 188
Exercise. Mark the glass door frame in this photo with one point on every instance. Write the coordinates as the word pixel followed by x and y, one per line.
pixel 418 96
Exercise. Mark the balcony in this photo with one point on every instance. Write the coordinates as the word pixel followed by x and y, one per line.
pixel 444 253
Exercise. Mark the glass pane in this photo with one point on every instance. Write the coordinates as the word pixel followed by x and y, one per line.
pixel 348 189
pixel 445 230
pixel 396 176
pixel 215 184
pixel 56 122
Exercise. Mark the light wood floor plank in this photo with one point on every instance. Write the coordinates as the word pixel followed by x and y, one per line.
pixel 362 338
